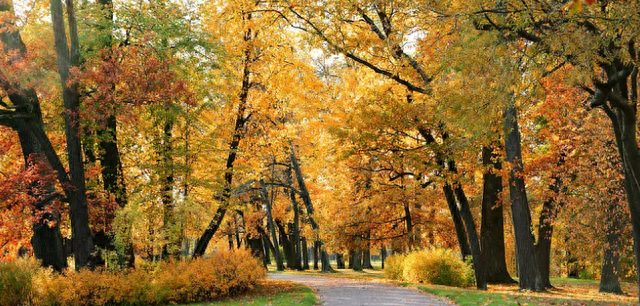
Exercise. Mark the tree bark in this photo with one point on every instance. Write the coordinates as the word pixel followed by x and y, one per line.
pixel 472 234
pixel 609 277
pixel 305 254
pixel 171 247
pixel 383 255
pixel 339 261
pixel 530 278
pixel 357 260
pixel 68 57
pixel 492 228
pixel 545 232
pixel 267 203
pixel 465 250
pixel 267 247
pixel 366 254
pixel 324 257
pixel 316 254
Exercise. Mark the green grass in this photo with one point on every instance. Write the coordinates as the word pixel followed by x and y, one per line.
pixel 294 295
pixel 464 297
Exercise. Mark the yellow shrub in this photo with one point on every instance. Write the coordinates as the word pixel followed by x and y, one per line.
pixel 16 281
pixel 224 274
pixel 393 266
pixel 437 266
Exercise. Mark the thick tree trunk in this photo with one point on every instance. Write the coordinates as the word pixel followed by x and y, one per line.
pixel 257 248
pixel 68 58
pixel 609 277
pixel 492 228
pixel 267 247
pixel 472 234
pixel 286 244
pixel 530 278
pixel 465 250
pixel 545 232
pixel 366 254
pixel 339 261
pixel 305 254
pixel 316 254
pixel 324 257
pixel 383 255
pixel 47 240
pixel 356 260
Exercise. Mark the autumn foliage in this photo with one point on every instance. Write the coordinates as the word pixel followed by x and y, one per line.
pixel 224 274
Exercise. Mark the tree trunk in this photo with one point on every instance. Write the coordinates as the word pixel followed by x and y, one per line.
pixel 295 239
pixel 366 255
pixel 383 255
pixel 339 261
pixel 171 247
pixel 47 239
pixel 316 254
pixel 276 250
pixel 257 248
pixel 324 257
pixel 286 244
pixel 530 278
pixel 472 234
pixel 238 135
pixel 109 154
pixel 356 260
pixel 465 250
pixel 492 229
pixel 545 232
pixel 267 247
pixel 305 254
pixel 609 277
pixel 68 58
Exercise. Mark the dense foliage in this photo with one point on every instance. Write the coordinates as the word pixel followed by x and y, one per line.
pixel 138 132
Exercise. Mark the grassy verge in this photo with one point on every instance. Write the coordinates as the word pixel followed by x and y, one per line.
pixel 565 293
pixel 271 292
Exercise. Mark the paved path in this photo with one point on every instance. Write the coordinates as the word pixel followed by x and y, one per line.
pixel 350 292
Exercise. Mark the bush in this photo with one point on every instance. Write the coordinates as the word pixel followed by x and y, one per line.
pixel 393 266
pixel 434 266
pixel 224 274
pixel 16 282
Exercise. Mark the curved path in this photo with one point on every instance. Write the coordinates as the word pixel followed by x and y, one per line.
pixel 352 292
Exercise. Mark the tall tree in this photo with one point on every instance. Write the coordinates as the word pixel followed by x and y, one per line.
pixel 68 53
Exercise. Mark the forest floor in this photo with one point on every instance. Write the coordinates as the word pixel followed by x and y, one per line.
pixel 566 291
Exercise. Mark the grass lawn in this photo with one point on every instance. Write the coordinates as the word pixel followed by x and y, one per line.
pixel 271 292
pixel 566 292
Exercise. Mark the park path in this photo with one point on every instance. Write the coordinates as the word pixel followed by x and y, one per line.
pixel 334 291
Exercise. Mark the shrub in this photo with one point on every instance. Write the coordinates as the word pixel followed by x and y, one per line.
pixel 393 266
pixel 224 274
pixel 16 281
pixel 434 266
